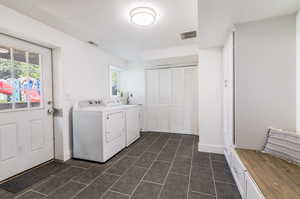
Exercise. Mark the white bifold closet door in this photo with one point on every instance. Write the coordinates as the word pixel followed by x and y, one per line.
pixel 171 100
pixel 177 101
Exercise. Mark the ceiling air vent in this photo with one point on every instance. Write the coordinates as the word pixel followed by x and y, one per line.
pixel 92 43
pixel 188 35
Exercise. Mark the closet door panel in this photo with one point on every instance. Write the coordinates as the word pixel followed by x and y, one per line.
pixel 177 87
pixel 163 119
pixel 177 120
pixel 152 120
pixel 164 87
pixel 191 100
pixel 177 101
pixel 152 87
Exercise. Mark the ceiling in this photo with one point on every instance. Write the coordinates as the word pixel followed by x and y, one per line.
pixel 216 17
pixel 106 22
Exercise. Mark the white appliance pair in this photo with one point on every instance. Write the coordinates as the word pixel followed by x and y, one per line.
pixel 102 129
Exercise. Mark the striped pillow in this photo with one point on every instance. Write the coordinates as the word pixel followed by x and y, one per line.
pixel 283 144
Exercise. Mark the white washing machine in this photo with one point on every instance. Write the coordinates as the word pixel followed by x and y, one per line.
pixel 102 129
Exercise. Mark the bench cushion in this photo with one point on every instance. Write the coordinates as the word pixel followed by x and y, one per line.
pixel 283 144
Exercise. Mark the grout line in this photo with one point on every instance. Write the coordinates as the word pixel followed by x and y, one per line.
pixel 78 182
pixel 29 190
pixel 78 192
pixel 55 176
pixel 157 155
pixel 103 172
pixel 213 176
pixel 176 173
pixel 75 166
pixel 221 161
pixel 190 174
pixel 51 192
pixel 207 194
pixel 60 172
pixel 164 161
pixel 147 147
pixel 109 188
pixel 140 167
pixel 148 181
pixel 171 165
pixel 148 169
pixel 108 173
pixel 38 192
pixel 124 194
pixel 220 181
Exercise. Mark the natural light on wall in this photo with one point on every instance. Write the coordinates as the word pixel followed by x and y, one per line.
pixel 115 81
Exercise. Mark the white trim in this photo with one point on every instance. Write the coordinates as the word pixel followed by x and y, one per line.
pixel 298 72
pixel 209 148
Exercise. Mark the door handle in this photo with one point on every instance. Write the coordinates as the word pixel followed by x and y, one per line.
pixel 50 111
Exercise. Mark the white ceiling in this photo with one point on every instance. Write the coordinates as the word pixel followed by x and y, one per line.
pixel 216 17
pixel 106 22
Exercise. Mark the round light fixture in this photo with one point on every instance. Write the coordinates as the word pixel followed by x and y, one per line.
pixel 3 50
pixel 143 16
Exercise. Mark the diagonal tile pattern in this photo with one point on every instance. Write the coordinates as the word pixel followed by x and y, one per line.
pixel 157 166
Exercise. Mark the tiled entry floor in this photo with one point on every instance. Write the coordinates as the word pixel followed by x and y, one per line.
pixel 157 166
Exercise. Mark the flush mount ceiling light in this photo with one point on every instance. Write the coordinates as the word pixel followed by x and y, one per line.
pixel 143 16
pixel 3 50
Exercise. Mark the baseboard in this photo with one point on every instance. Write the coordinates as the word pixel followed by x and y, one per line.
pixel 211 148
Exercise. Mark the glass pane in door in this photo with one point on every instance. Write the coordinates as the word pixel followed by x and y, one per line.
pixel 6 88
pixel 21 82
pixel 34 74
pixel 20 79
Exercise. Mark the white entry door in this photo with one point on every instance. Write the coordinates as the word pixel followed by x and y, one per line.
pixel 26 127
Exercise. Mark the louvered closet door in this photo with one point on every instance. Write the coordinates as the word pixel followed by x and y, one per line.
pixel 152 99
pixel 158 84
pixel 191 100
pixel 164 97
pixel 177 109
pixel 171 100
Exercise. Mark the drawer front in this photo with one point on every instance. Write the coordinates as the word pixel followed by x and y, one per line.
pixel 228 156
pixel 239 171
pixel 253 191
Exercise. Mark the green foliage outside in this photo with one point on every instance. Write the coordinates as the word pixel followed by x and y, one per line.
pixel 20 70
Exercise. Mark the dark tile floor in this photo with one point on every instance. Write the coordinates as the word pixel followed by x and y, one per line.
pixel 157 166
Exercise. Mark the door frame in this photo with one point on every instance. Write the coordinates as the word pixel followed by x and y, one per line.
pixel 52 83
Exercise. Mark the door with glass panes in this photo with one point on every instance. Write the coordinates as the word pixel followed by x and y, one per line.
pixel 26 122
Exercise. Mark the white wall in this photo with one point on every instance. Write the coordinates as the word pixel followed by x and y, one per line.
pixel 298 69
pixel 80 70
pixel 210 100
pixel 176 51
pixel 134 83
pixel 265 79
